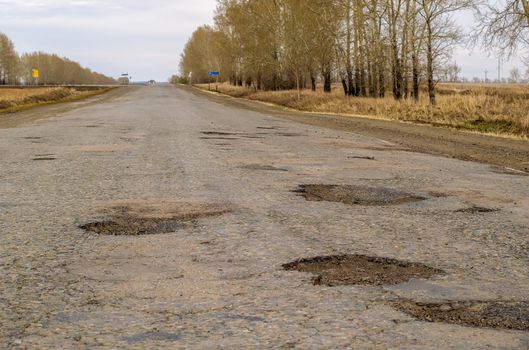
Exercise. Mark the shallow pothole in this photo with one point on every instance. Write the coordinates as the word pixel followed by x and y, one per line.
pixel 477 210
pixel 359 195
pixel 148 217
pixel 341 270
pixel 361 157
pixel 44 158
pixel 487 314
pixel 261 167
pixel 219 133
pixel 219 138
pixel 133 226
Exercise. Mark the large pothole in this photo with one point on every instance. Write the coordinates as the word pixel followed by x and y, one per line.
pixel 359 195
pixel 145 217
pixel 488 314
pixel 360 269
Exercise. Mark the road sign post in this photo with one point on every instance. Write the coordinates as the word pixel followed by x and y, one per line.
pixel 216 74
pixel 35 74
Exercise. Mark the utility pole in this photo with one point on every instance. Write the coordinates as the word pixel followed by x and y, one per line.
pixel 486 76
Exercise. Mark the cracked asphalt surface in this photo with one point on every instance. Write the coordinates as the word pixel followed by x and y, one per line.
pixel 219 283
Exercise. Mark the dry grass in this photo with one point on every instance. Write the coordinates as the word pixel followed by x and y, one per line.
pixel 15 99
pixel 499 109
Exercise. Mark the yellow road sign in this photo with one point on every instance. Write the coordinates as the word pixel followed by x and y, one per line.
pixel 35 73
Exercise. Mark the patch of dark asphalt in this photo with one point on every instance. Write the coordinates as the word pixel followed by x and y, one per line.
pixel 361 157
pixel 485 314
pixel 92 126
pixel 44 158
pixel 261 167
pixel 356 195
pixel 477 210
pixel 360 269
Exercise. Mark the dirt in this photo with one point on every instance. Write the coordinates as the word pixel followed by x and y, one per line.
pixel 500 151
pixel 356 195
pixel 145 217
pixel 261 167
pixel 477 210
pixel 360 269
pixel 486 314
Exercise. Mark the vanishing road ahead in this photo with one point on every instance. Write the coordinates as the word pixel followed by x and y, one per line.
pixel 212 196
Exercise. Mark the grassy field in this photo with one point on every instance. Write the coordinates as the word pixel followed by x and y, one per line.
pixel 15 99
pixel 497 109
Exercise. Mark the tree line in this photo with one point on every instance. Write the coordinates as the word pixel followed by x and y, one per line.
pixel 372 47
pixel 53 70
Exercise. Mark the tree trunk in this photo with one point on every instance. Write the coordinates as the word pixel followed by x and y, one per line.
pixel 327 84
pixel 415 78
pixel 429 54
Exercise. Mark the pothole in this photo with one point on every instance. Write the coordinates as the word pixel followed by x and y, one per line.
pixel 219 138
pixel 487 314
pixel 219 133
pixel 361 157
pixel 261 167
pixel 477 210
pixel 44 158
pixel 437 194
pixel 360 269
pixel 33 138
pixel 288 134
pixel 148 217
pixel 267 127
pixel 359 195
pixel 133 226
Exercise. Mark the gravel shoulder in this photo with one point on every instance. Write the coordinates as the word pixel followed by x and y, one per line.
pixel 37 112
pixel 464 145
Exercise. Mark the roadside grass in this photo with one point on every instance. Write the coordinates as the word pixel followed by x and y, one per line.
pixel 17 99
pixel 495 109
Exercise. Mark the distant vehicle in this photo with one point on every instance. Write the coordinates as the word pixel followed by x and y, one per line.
pixel 124 79
pixel 151 82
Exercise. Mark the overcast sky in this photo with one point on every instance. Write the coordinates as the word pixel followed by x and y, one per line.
pixel 141 37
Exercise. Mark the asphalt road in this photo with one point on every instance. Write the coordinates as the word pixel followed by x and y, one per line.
pixel 216 280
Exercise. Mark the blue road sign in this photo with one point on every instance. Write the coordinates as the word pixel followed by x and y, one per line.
pixel 213 73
